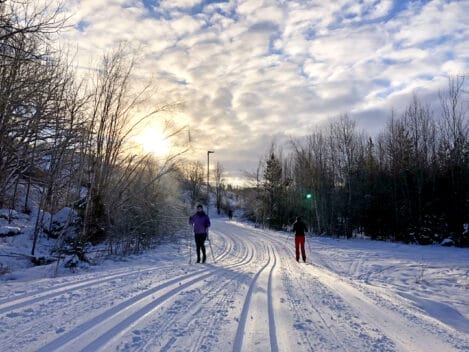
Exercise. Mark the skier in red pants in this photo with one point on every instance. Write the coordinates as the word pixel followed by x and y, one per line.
pixel 300 228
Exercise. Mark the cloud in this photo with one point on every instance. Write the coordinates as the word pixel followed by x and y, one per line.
pixel 178 4
pixel 250 71
pixel 433 22
pixel 186 25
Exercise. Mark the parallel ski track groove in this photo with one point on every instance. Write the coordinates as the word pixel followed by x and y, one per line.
pixel 26 300
pixel 134 317
pixel 272 326
pixel 221 299
pixel 110 313
pixel 248 255
pixel 131 320
pixel 282 244
pixel 227 247
pixel 248 249
pixel 246 259
pixel 239 337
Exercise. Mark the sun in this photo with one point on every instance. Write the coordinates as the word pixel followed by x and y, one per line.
pixel 153 141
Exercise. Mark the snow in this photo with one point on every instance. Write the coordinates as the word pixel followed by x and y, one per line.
pixel 351 295
pixel 9 230
pixel 6 213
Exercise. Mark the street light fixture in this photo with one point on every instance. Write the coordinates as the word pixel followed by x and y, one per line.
pixel 310 197
pixel 208 177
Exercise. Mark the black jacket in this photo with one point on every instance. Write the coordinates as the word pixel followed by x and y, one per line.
pixel 299 228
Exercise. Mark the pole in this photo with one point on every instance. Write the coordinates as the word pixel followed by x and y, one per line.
pixel 208 178
pixel 288 237
pixel 310 223
pixel 309 246
pixel 211 249
pixel 190 248
pixel 208 197
pixel 309 196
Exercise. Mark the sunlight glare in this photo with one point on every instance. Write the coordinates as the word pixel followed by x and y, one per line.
pixel 153 141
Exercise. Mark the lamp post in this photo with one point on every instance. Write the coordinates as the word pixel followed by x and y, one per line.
pixel 208 177
pixel 310 197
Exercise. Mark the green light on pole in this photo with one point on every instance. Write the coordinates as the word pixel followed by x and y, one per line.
pixel 309 196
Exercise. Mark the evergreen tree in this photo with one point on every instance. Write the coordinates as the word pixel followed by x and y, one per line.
pixel 273 190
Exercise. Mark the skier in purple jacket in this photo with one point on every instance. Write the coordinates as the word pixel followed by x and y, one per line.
pixel 201 222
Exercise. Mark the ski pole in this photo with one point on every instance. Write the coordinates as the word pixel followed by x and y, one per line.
pixel 309 247
pixel 211 249
pixel 288 237
pixel 286 240
pixel 190 249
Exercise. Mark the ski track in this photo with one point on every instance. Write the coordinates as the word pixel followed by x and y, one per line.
pixel 20 302
pixel 212 303
pixel 106 327
pixel 246 326
pixel 253 297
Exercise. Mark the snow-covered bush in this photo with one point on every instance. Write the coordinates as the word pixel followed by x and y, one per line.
pixel 8 214
pixel 63 223
pixel 462 239
pixel 4 269
pixel 447 242
pixel 6 231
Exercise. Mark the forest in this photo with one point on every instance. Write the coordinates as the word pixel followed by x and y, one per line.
pixel 65 140
pixel 410 183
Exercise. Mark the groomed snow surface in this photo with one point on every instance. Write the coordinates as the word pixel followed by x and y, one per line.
pixel 251 295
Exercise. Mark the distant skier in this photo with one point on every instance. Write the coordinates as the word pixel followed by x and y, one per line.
pixel 200 222
pixel 230 214
pixel 300 228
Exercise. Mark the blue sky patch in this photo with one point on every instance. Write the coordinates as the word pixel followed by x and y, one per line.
pixel 382 82
pixel 199 8
pixel 82 25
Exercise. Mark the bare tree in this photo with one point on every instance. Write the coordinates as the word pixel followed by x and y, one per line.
pixel 33 18
pixel 110 124
pixel 345 142
pixel 193 173
pixel 29 80
pixel 453 151
pixel 312 176
pixel 219 186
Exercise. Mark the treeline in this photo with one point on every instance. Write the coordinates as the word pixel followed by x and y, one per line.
pixel 193 180
pixel 64 140
pixel 410 183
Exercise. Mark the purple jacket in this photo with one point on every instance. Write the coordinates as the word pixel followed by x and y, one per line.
pixel 200 221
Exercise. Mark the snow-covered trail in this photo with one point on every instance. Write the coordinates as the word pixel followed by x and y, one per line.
pixel 254 297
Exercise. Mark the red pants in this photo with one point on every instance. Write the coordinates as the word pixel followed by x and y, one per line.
pixel 300 243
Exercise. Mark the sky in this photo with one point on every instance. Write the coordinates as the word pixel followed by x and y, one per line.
pixel 254 72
